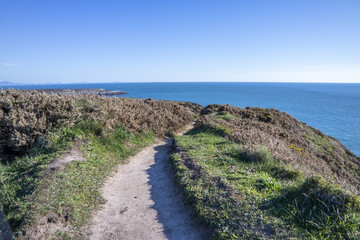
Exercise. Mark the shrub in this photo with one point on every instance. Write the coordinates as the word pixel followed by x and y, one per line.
pixel 27 116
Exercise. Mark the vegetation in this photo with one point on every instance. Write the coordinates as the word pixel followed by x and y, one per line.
pixel 288 140
pixel 36 128
pixel 242 187
pixel 27 117
pixel 248 173
pixel 72 194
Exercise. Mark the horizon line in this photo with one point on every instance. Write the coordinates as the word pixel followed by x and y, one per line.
pixel 65 83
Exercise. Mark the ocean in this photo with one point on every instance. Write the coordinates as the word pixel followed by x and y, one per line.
pixel 332 108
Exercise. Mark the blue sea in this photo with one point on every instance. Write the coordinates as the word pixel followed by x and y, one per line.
pixel 332 108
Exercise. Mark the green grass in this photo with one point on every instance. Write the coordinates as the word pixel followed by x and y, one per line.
pixel 321 144
pixel 320 209
pixel 74 192
pixel 250 195
pixel 225 116
pixel 20 177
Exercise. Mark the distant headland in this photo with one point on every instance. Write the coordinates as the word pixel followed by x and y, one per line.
pixel 97 91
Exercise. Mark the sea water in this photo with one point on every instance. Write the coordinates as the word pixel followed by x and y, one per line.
pixel 332 108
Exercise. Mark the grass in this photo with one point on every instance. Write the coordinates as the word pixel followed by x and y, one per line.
pixel 20 178
pixel 323 211
pixel 225 116
pixel 321 144
pixel 288 140
pixel 73 193
pixel 250 195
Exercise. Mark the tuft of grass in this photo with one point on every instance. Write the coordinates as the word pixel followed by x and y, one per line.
pixel 320 209
pixel 243 194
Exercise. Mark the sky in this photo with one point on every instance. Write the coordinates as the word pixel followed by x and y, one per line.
pixel 72 41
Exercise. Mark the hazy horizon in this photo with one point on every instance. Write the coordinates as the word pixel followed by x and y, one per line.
pixel 115 82
pixel 160 41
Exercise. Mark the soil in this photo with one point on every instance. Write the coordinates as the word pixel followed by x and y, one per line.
pixel 143 202
pixel 60 163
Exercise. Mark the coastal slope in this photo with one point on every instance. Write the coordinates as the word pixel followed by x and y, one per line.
pixel 259 173
pixel 288 140
pixel 248 173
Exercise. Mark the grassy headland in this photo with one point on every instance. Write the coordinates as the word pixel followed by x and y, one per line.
pixel 260 174
pixel 248 173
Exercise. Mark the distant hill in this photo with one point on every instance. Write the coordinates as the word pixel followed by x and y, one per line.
pixel 8 83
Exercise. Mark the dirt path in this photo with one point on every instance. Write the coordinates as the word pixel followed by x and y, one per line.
pixel 142 201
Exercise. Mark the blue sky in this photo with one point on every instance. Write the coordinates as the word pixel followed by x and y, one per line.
pixel 44 41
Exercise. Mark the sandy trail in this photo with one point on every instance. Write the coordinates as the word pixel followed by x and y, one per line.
pixel 143 202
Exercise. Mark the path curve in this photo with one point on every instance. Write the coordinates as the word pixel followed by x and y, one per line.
pixel 143 202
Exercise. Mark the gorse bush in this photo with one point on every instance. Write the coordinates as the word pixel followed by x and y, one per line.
pixel 26 117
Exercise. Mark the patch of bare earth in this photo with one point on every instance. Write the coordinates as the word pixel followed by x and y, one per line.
pixel 74 154
pixel 46 226
pixel 143 202
pixel 51 223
